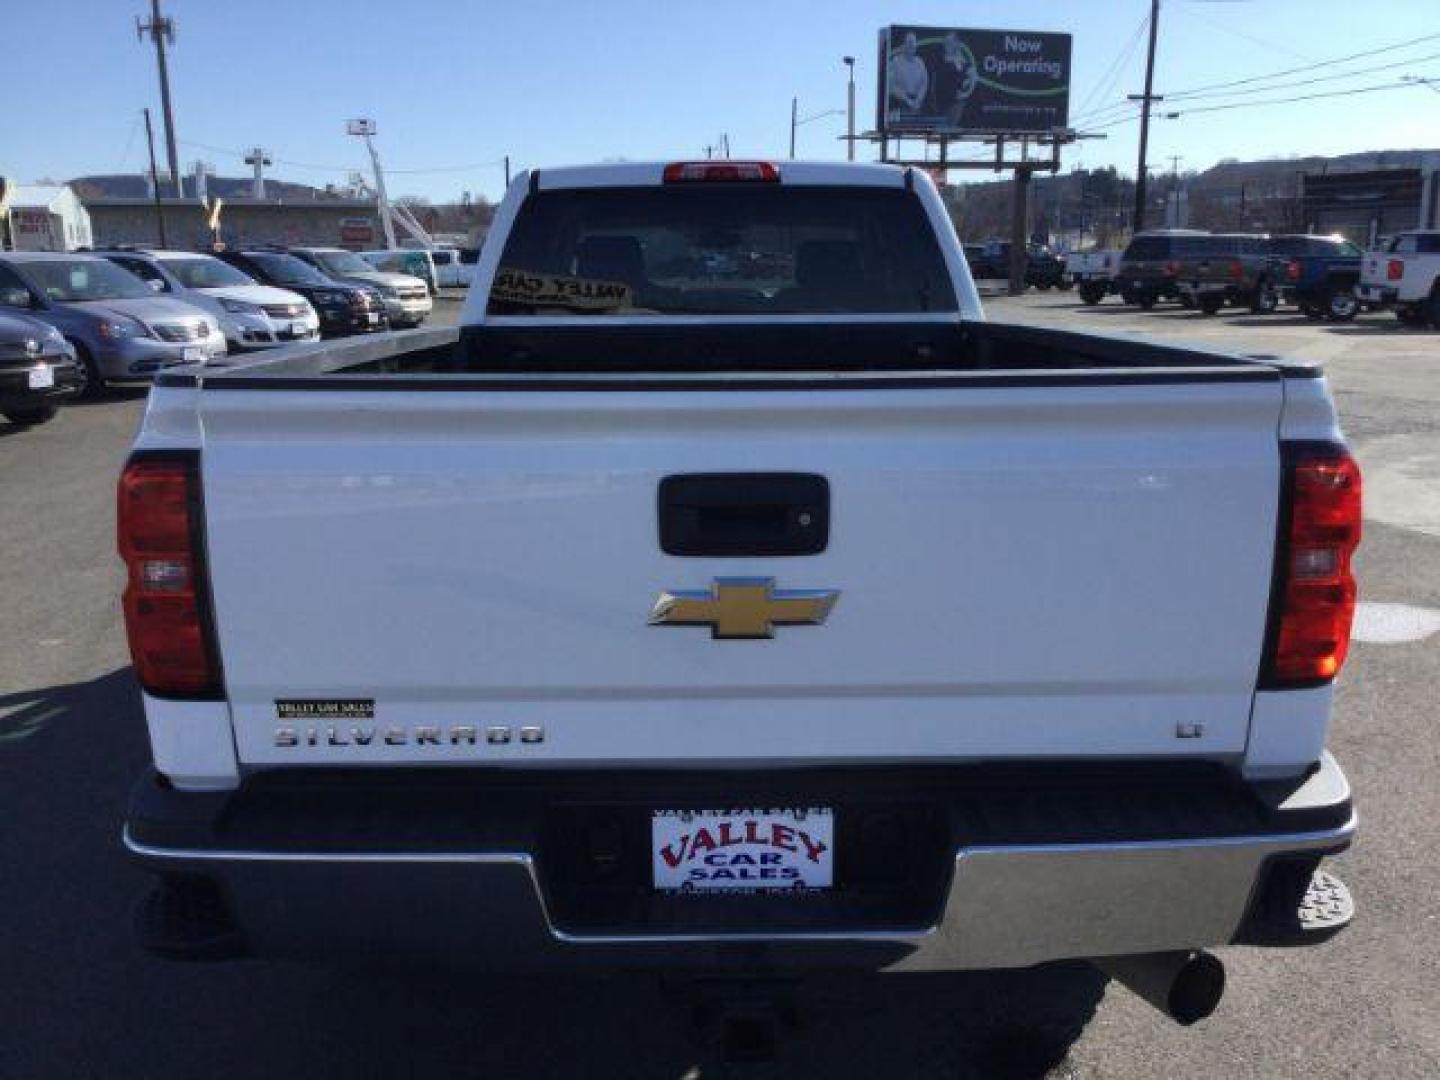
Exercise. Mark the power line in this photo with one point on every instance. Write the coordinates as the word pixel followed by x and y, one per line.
pixel 1112 73
pixel 240 155
pixel 1272 45
pixel 1339 75
pixel 1110 115
pixel 1299 97
pixel 1307 67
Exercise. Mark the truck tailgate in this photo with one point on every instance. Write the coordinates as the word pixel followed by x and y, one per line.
pixel 1025 568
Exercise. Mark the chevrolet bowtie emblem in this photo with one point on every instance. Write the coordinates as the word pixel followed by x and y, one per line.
pixel 744 608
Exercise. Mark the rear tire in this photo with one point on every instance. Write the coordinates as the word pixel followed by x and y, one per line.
pixel 1410 316
pixel 1091 293
pixel 1210 304
pixel 1146 301
pixel 1187 301
pixel 1311 311
pixel 39 414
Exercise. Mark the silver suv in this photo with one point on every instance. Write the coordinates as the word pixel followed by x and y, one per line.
pixel 120 329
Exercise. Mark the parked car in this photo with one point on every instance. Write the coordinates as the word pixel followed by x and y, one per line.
pixel 407 298
pixel 251 315
pixel 827 624
pixel 1150 262
pixel 1319 275
pixel 37 369
pixel 1092 273
pixel 412 261
pixel 343 309
pixel 452 270
pixel 1043 270
pixel 120 329
pixel 1228 268
pixel 1405 276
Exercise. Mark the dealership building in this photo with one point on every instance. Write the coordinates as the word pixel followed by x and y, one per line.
pixel 43 217
pixel 352 223
pixel 1374 203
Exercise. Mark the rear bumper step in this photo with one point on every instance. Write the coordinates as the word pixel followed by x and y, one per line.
pixel 1002 868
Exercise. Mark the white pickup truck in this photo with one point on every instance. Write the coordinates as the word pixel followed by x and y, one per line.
pixel 1093 273
pixel 727 593
pixel 1405 276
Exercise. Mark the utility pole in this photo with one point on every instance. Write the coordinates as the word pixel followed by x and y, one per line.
pixel 1146 99
pixel 1172 201
pixel 259 157
pixel 507 172
pixel 794 114
pixel 366 130
pixel 155 181
pixel 850 110
pixel 162 29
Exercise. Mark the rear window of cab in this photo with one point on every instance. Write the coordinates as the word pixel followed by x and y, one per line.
pixel 722 249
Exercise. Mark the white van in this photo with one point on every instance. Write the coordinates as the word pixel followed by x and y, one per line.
pixel 451 269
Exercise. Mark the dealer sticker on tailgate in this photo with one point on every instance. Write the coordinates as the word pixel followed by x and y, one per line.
pixel 743 850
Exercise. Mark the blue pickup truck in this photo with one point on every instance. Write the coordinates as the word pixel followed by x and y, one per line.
pixel 1318 274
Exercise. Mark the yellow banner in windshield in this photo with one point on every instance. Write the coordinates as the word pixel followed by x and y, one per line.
pixel 555 290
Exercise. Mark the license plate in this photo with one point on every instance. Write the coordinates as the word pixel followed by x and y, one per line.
pixel 42 378
pixel 743 850
pixel 194 355
pixel 372 318
pixel 299 329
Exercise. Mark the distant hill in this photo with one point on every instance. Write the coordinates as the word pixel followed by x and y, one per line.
pixel 134 186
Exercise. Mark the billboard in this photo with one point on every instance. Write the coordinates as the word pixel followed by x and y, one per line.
pixel 936 80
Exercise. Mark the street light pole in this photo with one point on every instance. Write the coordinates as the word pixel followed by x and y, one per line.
pixel 850 110
pixel 794 111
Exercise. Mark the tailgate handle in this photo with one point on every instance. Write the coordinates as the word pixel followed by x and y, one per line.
pixel 744 514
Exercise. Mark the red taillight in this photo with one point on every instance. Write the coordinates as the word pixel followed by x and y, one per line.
pixel 167 619
pixel 1395 269
pixel 1292 270
pixel 1237 270
pixel 687 172
pixel 1314 586
pixel 1171 269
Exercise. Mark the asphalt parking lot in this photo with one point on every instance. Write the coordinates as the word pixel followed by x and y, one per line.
pixel 78 1000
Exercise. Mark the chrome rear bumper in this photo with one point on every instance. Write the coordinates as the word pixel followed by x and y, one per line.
pixel 1004 905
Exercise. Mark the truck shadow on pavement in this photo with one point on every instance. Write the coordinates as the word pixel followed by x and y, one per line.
pixel 68 755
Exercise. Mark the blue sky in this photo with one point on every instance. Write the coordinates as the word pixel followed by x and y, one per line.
pixel 456 85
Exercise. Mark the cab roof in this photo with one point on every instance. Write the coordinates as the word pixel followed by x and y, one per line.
pixel 651 174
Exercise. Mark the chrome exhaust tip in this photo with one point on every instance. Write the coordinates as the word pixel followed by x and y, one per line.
pixel 1185 986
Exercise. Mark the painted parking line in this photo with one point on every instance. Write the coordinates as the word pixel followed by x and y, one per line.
pixel 1394 624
